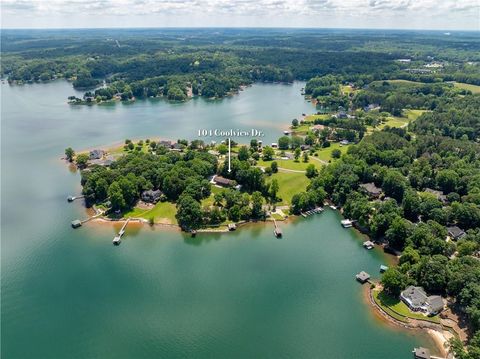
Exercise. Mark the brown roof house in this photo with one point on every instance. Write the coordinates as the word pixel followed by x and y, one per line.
pixel 371 190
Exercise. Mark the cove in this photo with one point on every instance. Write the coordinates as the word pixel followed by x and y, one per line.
pixel 70 293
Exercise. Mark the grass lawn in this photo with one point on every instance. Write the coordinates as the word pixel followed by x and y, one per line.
pixel 207 202
pixel 312 118
pixel 347 89
pixel 399 308
pixel 325 154
pixel 289 183
pixel 291 164
pixel 161 212
pixel 413 114
pixel 473 88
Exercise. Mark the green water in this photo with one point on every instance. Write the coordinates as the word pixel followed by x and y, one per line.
pixel 71 294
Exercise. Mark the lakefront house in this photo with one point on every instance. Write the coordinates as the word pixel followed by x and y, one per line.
pixel 418 301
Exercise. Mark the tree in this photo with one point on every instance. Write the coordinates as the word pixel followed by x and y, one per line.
pixel 69 153
pixel 243 153
pixel 336 153
pixel 268 153
pixel 274 167
pixel 222 149
pixel 294 123
pixel 398 232
pixel 115 196
pixel 274 190
pixel 257 202
pixel 189 213
pixel 284 143
pixel 447 180
pixel 311 171
pixel 82 160
pixel 297 153
pixel 393 281
pixel 394 184
pixel 305 157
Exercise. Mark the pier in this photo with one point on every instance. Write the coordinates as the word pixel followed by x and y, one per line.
pixel 118 238
pixel 313 211
pixel 277 231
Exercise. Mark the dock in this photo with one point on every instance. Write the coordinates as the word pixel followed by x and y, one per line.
pixel 277 231
pixel 118 238
pixel 312 211
pixel 363 277
pixel 346 223
pixel 73 198
pixel 368 245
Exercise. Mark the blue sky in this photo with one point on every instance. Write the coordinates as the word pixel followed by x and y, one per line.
pixel 398 14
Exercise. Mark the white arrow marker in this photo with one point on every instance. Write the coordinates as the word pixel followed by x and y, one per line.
pixel 229 154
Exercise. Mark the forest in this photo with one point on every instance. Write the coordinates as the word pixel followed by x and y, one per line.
pixel 177 64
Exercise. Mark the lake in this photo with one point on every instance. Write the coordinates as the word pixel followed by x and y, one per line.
pixel 71 294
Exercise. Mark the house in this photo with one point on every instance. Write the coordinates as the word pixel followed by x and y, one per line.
pixel 418 301
pixel 317 128
pixel 455 232
pixel 166 144
pixel 438 194
pixel 362 277
pixel 421 353
pixel 305 147
pixel 371 190
pixel 96 154
pixel 222 181
pixel 151 196
pixel 177 147
pixel 102 161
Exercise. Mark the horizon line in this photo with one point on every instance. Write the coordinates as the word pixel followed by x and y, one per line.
pixel 239 27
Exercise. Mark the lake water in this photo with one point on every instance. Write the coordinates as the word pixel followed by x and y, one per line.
pixel 71 294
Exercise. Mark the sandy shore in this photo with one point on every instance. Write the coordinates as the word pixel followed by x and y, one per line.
pixel 441 338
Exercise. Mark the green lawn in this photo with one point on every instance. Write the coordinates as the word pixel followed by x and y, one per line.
pixel 398 308
pixel 291 164
pixel 162 212
pixel 347 89
pixel 325 154
pixel 413 114
pixel 207 202
pixel 289 183
pixel 312 118
pixel 473 88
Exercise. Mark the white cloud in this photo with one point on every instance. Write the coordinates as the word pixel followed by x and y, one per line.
pixel 441 14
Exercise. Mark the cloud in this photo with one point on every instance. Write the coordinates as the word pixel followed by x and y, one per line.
pixel 339 13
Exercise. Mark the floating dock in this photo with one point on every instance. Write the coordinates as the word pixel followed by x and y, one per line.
pixel 118 238
pixel 73 198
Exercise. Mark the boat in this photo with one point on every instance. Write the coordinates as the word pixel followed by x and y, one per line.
pixel 333 207
pixel 346 223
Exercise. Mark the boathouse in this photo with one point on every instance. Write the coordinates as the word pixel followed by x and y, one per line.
pixel 363 277
pixel 421 353
pixel 76 223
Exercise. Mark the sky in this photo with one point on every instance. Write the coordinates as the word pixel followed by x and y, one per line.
pixel 384 14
